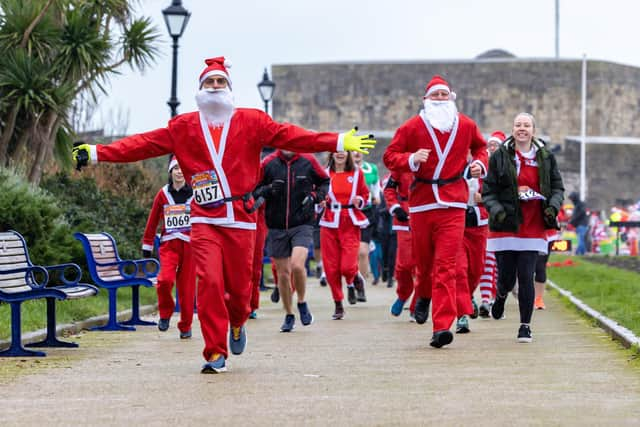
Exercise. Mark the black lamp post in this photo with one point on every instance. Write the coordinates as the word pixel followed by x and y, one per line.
pixel 176 18
pixel 266 88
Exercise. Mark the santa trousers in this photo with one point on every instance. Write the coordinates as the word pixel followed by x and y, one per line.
pixel 340 248
pixel 405 265
pixel 470 265
pixel 488 278
pixel 437 240
pixel 222 266
pixel 176 266
pixel 258 256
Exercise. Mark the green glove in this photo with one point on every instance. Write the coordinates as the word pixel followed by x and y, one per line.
pixel 80 154
pixel 550 212
pixel 361 143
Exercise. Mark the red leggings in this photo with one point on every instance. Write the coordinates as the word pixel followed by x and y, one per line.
pixel 176 266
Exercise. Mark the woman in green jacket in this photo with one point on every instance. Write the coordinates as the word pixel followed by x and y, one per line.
pixel 522 192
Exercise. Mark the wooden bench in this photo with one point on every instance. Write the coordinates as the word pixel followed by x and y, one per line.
pixel 21 280
pixel 110 272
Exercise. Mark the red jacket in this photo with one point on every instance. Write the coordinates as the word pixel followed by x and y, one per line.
pixel 447 160
pixel 345 194
pixel 234 169
pixel 396 195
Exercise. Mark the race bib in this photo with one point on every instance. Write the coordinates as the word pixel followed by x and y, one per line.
pixel 176 218
pixel 207 191
pixel 525 194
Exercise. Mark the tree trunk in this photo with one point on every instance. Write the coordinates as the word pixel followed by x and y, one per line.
pixel 44 141
pixel 20 154
pixel 7 134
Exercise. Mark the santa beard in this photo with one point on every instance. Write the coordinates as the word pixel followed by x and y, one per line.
pixel 215 104
pixel 440 114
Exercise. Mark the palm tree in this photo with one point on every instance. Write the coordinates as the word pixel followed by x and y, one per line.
pixel 51 53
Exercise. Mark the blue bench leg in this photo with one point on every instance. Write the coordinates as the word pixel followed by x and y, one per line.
pixel 112 323
pixel 51 340
pixel 135 309
pixel 16 349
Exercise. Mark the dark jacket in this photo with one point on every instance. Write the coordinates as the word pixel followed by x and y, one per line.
pixel 303 176
pixel 579 215
pixel 500 187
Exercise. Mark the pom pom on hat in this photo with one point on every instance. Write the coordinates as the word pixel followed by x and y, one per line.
pixel 216 67
pixel 438 83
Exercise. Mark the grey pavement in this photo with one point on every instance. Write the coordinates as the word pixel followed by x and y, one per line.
pixel 368 369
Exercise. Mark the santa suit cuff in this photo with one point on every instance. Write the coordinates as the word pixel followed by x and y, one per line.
pixel 393 208
pixel 412 165
pixel 360 202
pixel 93 154
pixel 482 174
pixel 146 247
pixel 340 145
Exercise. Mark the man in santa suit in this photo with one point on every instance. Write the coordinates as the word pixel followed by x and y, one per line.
pixel 434 146
pixel 218 148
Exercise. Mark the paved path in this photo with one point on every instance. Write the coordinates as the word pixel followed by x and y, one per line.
pixel 368 369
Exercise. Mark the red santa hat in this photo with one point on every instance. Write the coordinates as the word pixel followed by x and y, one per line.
pixel 173 163
pixel 216 67
pixel 438 83
pixel 497 136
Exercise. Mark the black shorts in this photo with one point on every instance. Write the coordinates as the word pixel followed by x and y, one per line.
pixel 280 243
pixel 316 237
pixel 367 233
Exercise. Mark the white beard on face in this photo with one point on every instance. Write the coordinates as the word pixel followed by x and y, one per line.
pixel 216 104
pixel 440 114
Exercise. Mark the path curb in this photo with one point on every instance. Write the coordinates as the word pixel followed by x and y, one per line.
pixel 616 330
pixel 74 328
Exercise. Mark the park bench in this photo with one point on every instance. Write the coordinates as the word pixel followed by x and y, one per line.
pixel 21 280
pixel 110 272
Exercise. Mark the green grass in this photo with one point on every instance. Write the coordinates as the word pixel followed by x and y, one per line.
pixel 34 312
pixel 611 291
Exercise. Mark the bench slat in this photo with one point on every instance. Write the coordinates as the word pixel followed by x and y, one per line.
pixel 11 251
pixel 17 289
pixel 5 277
pixel 12 283
pixel 6 243
pixel 16 260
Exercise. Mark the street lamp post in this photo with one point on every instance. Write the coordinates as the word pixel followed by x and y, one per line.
pixel 176 18
pixel 266 88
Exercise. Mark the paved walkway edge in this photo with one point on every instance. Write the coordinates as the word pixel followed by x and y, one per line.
pixel 616 330
pixel 74 328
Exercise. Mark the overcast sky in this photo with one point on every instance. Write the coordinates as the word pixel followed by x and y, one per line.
pixel 255 34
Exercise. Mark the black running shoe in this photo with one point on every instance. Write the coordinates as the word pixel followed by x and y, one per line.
pixel 441 338
pixel 497 309
pixel 421 311
pixel 524 334
pixel 351 294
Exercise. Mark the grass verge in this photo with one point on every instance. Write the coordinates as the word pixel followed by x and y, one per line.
pixel 34 313
pixel 611 291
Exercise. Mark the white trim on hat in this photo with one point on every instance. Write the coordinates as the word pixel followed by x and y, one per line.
pixel 173 163
pixel 495 138
pixel 434 88
pixel 215 73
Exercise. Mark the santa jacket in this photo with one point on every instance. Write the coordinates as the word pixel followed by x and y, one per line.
pixel 163 198
pixel 233 169
pixel 447 161
pixel 396 195
pixel 358 195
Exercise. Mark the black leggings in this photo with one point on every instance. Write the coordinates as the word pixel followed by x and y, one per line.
pixel 520 264
pixel 541 268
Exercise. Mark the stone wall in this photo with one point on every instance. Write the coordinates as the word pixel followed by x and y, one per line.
pixel 381 96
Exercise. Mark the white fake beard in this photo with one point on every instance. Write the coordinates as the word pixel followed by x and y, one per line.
pixel 216 104
pixel 440 114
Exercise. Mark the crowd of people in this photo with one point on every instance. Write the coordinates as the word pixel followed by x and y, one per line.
pixel 456 212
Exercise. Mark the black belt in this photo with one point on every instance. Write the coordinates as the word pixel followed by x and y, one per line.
pixel 245 200
pixel 336 206
pixel 439 181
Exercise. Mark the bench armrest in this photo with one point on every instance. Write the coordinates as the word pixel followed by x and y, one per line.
pixel 143 264
pixel 29 276
pixel 122 264
pixel 61 268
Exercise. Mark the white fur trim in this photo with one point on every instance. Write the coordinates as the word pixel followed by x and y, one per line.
pixel 400 228
pixel 216 73
pixel 172 164
pixel 494 138
pixel 93 154
pixel 437 87
pixel 340 144
pixel 147 247
pixel 223 222
pixel 393 208
pixel 517 244
pixel 412 165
